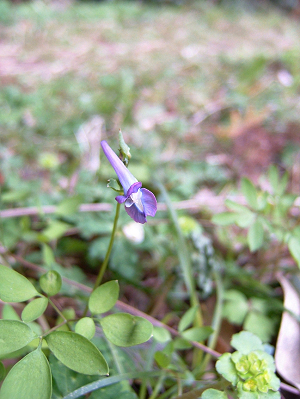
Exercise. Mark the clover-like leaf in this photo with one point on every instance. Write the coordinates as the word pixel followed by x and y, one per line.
pixel 14 287
pixel 34 309
pixel 104 297
pixel 14 335
pixel 29 378
pixel 123 329
pixel 77 352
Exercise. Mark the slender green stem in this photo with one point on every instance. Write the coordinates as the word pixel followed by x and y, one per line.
pixel 183 254
pixel 106 259
pixel 60 313
pixel 112 237
pixel 143 388
pixel 157 386
pixel 217 319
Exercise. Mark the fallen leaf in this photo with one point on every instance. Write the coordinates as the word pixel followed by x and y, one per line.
pixel 287 355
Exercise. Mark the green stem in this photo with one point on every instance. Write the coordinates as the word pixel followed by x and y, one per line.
pixel 60 313
pixel 106 259
pixel 217 319
pixel 183 255
pixel 157 386
pixel 112 237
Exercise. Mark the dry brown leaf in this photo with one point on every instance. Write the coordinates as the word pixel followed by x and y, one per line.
pixel 287 355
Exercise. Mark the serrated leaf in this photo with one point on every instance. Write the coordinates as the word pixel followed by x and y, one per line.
pixel 29 378
pixel 187 319
pixel 197 334
pixel 250 193
pixel 226 368
pixel 34 309
pixel 14 335
pixel 246 342
pixel 255 236
pixel 104 297
pixel 224 218
pixel 213 394
pixel 69 206
pixel 294 248
pixel 77 352
pixel 14 287
pixel 123 329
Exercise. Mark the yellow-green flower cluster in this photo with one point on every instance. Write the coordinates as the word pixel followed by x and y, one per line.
pixel 255 371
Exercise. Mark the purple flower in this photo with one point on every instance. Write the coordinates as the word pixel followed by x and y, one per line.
pixel 139 202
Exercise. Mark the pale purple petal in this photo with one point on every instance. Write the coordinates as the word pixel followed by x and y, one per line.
pixel 136 214
pixel 149 202
pixel 125 177
pixel 120 199
pixel 134 188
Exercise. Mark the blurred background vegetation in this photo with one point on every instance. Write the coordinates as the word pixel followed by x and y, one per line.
pixel 205 92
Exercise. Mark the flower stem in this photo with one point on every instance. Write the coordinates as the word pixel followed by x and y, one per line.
pixel 112 237
pixel 106 259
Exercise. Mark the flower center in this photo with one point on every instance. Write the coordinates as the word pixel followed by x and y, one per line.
pixel 135 198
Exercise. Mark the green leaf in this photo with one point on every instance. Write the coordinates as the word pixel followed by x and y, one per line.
pixel 273 177
pixel 255 236
pixel 104 297
pixel 162 359
pixel 250 193
pixel 123 329
pixel 224 218
pixel 48 255
pixel 2 371
pixel 113 184
pixel 213 394
pixel 260 325
pixel 9 313
pixel 197 334
pixel 187 319
pixel 246 342
pixel 69 206
pixel 245 219
pixel 235 307
pixel 236 207
pixel 51 282
pixel 77 352
pixel 14 287
pixel 15 195
pixel 14 335
pixel 226 368
pixel 86 327
pixel 55 230
pixel 29 378
pixel 34 309
pixel 294 248
pixel 160 334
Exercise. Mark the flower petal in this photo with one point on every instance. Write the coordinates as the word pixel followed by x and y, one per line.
pixel 125 177
pixel 149 202
pixel 120 199
pixel 134 188
pixel 136 214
